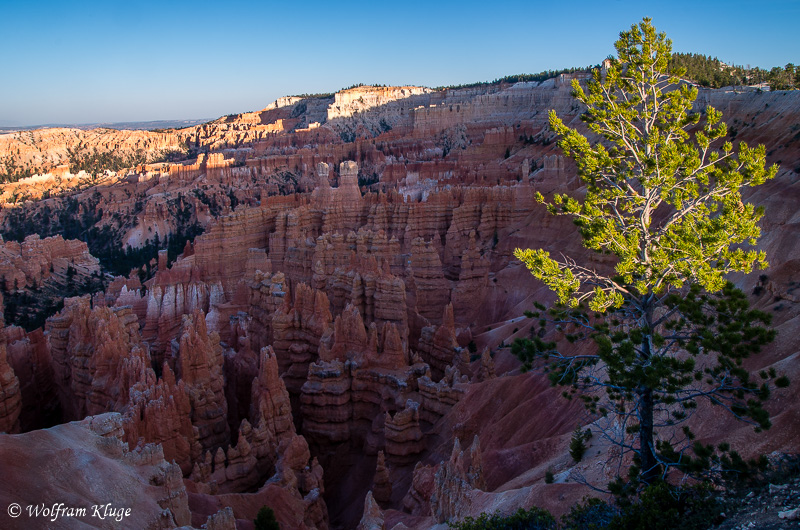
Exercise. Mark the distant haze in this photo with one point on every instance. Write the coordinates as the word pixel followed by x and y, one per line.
pixel 127 125
pixel 108 62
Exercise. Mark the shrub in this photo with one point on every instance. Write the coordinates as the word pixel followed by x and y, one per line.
pixel 577 445
pixel 658 507
pixel 591 514
pixel 265 520
pixel 664 507
pixel 533 519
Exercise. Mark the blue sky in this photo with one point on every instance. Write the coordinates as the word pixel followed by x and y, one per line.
pixel 81 62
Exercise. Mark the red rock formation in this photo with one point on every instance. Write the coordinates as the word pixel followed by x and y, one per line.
pixel 431 291
pixel 253 458
pixel 198 362
pixel 48 148
pixel 455 481
pixel 437 344
pixel 161 413
pixel 439 398
pixel 326 402
pixel 126 291
pixel 295 470
pixel 36 261
pixel 487 365
pixel 97 357
pixel 351 339
pixel 222 520
pixel 218 253
pixel 10 396
pixel 265 294
pixel 381 484
pixel 347 268
pixel 473 282
pixel 298 327
pixel 417 500
pixel 119 361
pixel 174 293
pixel 393 353
pixel 357 378
pixel 322 190
pixel 373 517
pixel 241 366
pixel 270 400
pixel 231 470
pixel 404 438
pixel 29 356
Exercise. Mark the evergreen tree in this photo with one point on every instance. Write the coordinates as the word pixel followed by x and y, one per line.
pixel 577 444
pixel 265 519
pixel 668 329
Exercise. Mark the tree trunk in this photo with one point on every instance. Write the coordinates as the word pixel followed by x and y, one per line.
pixel 650 471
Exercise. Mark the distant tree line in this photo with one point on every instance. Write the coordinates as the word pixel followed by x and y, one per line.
pixel 316 95
pixel 710 72
pixel 786 78
pixel 704 70
pixel 518 78
pixel 358 85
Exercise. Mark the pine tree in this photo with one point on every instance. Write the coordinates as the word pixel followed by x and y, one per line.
pixel 265 519
pixel 668 329
pixel 577 444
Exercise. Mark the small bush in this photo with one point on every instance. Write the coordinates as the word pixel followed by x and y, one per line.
pixel 591 514
pixel 265 520
pixel 549 477
pixel 533 519
pixel 577 445
pixel 664 507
